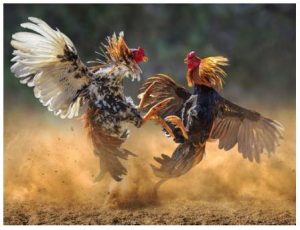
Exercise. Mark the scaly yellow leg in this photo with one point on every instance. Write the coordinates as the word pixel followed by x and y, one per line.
pixel 162 122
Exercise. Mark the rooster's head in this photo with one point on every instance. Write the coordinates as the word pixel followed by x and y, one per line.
pixel 192 60
pixel 121 58
pixel 206 71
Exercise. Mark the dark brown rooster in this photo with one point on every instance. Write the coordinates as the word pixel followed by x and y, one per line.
pixel 193 119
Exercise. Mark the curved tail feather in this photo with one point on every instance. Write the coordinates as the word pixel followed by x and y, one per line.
pixel 110 162
pixel 184 158
pixel 107 148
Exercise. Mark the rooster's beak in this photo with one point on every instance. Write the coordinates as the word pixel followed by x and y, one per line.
pixel 145 59
pixel 185 60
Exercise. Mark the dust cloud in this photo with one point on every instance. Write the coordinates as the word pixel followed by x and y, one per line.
pixel 49 160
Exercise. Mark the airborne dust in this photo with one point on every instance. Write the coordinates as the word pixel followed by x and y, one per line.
pixel 50 161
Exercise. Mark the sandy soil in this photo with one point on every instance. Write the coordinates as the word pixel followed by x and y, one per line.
pixel 179 212
pixel 49 170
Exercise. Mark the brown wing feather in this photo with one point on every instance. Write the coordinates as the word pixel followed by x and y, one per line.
pixel 253 133
pixel 160 87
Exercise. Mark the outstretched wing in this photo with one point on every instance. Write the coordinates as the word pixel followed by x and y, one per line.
pixel 253 133
pixel 48 61
pixel 160 87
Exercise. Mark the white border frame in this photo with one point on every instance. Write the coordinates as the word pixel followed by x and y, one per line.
pixel 143 226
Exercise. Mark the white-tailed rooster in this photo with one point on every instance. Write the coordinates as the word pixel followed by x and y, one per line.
pixel 47 60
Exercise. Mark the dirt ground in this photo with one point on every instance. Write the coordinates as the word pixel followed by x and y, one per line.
pixel 49 170
pixel 179 212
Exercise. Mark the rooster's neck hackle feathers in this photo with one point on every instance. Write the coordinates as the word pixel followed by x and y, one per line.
pixel 208 73
pixel 118 60
pixel 117 49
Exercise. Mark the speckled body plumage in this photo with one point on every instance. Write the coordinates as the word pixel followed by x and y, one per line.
pixel 108 99
pixel 107 111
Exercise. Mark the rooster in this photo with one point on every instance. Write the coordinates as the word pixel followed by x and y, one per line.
pixel 192 119
pixel 47 60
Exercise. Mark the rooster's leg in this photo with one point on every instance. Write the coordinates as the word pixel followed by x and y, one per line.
pixel 177 122
pixel 164 124
pixel 156 108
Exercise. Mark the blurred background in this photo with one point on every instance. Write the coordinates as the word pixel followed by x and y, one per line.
pixel 258 39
